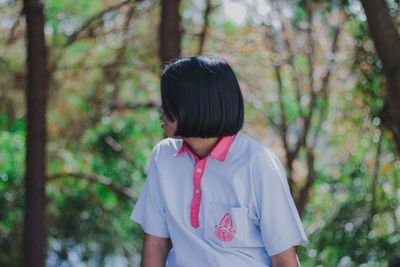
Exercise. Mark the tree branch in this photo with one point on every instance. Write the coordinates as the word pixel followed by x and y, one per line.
pixel 96 179
pixel 325 81
pixel 375 177
pixel 11 37
pixel 133 106
pixel 304 193
pixel 206 22
pixel 286 28
pixel 282 126
pixel 313 95
pixel 255 103
pixel 118 148
pixel 72 38
pixel 277 64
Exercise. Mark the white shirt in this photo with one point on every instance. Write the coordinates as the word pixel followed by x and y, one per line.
pixel 232 208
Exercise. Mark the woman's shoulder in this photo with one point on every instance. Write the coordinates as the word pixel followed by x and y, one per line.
pixel 254 147
pixel 166 147
pixel 263 160
pixel 257 152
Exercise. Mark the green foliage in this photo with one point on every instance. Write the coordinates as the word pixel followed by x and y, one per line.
pixel 349 220
pixel 12 159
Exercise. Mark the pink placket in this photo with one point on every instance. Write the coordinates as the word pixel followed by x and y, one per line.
pixel 197 175
pixel 219 152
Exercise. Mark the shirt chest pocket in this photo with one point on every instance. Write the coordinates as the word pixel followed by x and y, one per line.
pixel 230 227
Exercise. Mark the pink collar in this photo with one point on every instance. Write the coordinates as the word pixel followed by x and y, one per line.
pixel 219 152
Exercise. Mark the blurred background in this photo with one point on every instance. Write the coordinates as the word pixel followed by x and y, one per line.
pixel 79 118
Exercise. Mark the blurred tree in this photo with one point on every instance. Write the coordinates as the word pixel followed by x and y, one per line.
pixel 170 31
pixel 209 8
pixel 34 243
pixel 299 121
pixel 386 39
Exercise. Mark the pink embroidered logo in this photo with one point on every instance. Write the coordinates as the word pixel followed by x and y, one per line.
pixel 225 230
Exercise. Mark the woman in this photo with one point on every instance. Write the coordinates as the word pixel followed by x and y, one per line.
pixel 213 196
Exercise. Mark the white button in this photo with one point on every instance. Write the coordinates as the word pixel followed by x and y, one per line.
pixel 198 170
pixel 197 191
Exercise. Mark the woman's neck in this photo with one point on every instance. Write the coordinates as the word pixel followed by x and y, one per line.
pixel 201 146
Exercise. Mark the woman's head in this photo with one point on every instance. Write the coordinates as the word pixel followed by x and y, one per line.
pixel 201 95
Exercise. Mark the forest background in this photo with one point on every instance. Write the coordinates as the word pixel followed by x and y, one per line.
pixel 79 98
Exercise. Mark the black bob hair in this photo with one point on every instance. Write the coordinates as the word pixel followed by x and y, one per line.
pixel 203 95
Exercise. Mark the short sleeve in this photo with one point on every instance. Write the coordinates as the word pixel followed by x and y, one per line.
pixel 148 210
pixel 279 221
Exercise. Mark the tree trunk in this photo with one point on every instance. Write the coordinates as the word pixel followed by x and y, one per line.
pixel 34 237
pixel 170 31
pixel 387 44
